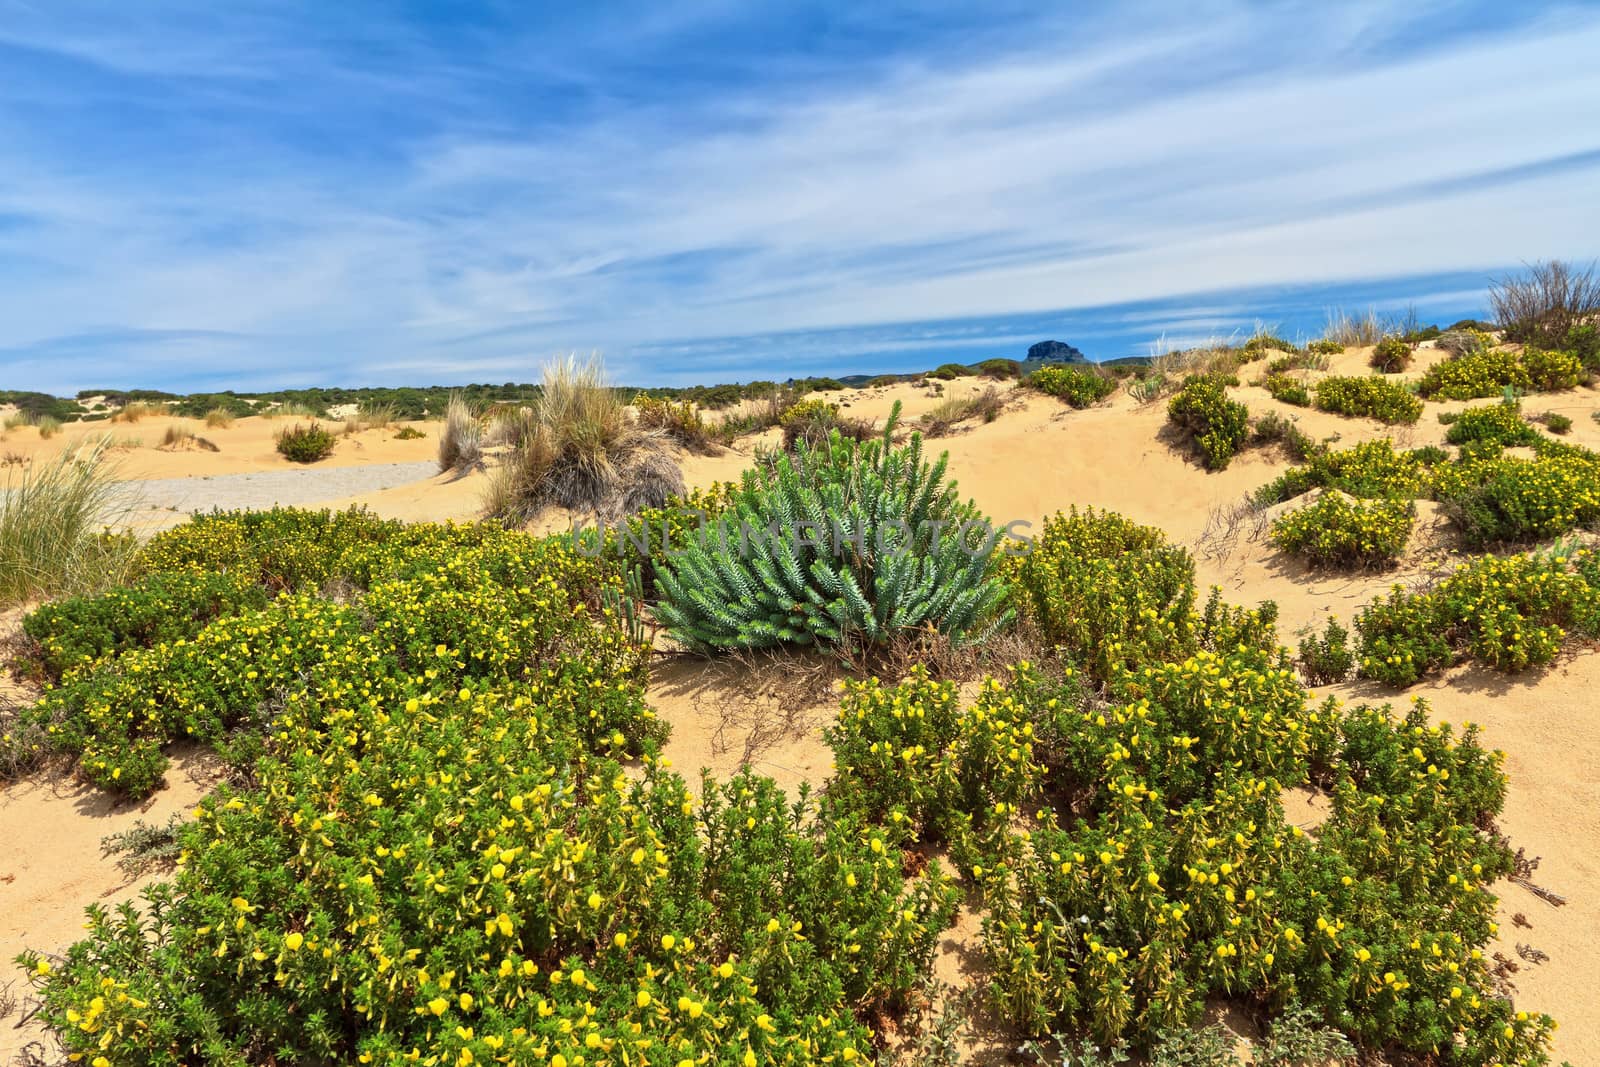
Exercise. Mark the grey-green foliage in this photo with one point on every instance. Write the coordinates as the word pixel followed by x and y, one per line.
pixel 846 543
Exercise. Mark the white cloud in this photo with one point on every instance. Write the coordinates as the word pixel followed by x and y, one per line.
pixel 1226 146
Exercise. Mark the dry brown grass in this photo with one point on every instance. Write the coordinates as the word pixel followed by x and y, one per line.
pixel 579 448
pixel 461 440
pixel 219 418
pixel 943 418
pixel 135 410
pixel 181 437
pixel 1355 331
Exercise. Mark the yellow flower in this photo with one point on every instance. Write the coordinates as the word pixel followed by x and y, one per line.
pixel 293 942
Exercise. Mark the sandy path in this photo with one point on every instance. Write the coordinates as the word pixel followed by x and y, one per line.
pixel 263 489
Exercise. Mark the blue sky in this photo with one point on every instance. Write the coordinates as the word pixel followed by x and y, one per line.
pixel 210 195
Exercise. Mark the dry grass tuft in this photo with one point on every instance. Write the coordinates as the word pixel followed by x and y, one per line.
pixel 180 437
pixel 945 416
pixel 219 418
pixel 135 410
pixel 1355 331
pixel 461 440
pixel 579 448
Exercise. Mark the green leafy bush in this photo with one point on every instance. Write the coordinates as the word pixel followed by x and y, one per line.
pixel 1215 425
pixel 1109 593
pixel 1556 423
pixel 949 371
pixel 305 443
pixel 1501 423
pixel 1287 389
pixel 1510 613
pixel 1391 355
pixel 1369 397
pixel 1369 470
pixel 1326 658
pixel 1490 372
pixel 849 543
pixel 1584 343
pixel 163 607
pixel 1504 500
pixel 1325 346
pixel 1343 531
pixel 409 433
pixel 1262 343
pixel 999 368
pixel 1077 386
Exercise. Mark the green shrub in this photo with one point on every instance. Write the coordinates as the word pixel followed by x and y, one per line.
pixel 1369 470
pixel 1288 390
pixel 1556 423
pixel 1370 397
pixel 1501 423
pixel 409 433
pixel 1262 343
pixel 1326 658
pixel 949 371
pixel 163 607
pixel 1344 531
pixel 1503 500
pixel 1481 373
pixel 846 544
pixel 1325 346
pixel 1274 428
pixel 1215 425
pixel 1077 386
pixel 999 368
pixel 1424 333
pixel 1584 343
pixel 1550 372
pixel 1391 355
pixel 305 443
pixel 1509 613
pixel 1110 594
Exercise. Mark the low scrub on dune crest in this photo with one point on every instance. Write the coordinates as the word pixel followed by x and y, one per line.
pixel 578 447
pixel 449 833
pixel 1216 426
pixel 305 442
pixel 887 547
pixel 680 421
pixel 461 439
pixel 1341 531
pixel 1371 397
pixel 1078 386
pixel 814 421
pixel 1391 355
pixel 54 519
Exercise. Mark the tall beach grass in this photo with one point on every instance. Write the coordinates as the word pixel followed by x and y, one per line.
pixel 54 517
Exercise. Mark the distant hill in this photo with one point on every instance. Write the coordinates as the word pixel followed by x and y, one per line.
pixel 1054 352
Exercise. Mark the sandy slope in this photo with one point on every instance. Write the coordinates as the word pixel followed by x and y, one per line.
pixel 1037 458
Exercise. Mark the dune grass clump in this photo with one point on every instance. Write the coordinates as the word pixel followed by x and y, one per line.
pixel 984 406
pixel 134 410
pixel 1354 330
pixel 1370 397
pixel 461 440
pixel 578 447
pixel 305 442
pixel 219 419
pixel 850 544
pixel 371 417
pixel 54 516
pixel 179 437
pixel 1215 425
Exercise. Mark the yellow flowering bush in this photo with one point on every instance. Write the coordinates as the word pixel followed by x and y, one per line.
pixel 1343 531
pixel 1372 397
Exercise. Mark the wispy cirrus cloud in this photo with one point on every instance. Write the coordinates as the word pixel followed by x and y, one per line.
pixel 256 195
